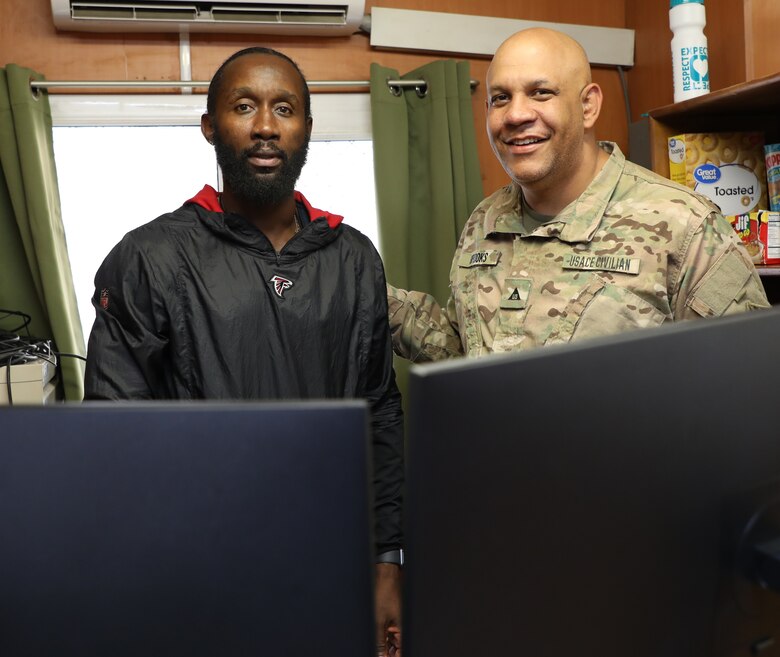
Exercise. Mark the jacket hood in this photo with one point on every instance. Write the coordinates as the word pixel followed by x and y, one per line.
pixel 208 199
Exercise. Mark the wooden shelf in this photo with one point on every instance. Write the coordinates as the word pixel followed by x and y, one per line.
pixel 747 107
pixel 750 106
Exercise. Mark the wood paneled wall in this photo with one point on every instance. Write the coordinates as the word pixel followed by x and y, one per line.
pixel 28 37
pixel 762 38
pixel 741 34
pixel 741 37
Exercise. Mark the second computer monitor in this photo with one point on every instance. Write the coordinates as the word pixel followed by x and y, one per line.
pixel 600 498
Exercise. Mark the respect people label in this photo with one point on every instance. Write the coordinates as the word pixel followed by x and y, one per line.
pixel 695 68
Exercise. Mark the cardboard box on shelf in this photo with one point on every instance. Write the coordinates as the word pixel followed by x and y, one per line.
pixel 729 168
pixel 772 157
pixel 760 232
pixel 769 235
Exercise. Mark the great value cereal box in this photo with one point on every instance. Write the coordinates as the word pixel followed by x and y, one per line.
pixel 727 167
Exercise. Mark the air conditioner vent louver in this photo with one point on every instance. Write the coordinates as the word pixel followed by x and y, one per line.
pixel 92 11
pixel 334 15
pixel 316 17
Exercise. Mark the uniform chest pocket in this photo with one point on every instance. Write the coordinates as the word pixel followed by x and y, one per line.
pixel 603 308
pixel 477 292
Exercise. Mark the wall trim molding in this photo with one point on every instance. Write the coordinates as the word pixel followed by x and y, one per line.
pixel 408 29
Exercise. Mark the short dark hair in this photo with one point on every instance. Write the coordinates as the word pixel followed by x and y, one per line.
pixel 215 86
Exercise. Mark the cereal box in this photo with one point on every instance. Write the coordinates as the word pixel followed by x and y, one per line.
pixel 772 152
pixel 769 235
pixel 727 167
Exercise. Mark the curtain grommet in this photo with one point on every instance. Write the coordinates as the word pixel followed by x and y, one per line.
pixel 35 91
pixel 394 88
pixel 421 90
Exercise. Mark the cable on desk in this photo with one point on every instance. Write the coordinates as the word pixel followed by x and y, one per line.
pixel 16 350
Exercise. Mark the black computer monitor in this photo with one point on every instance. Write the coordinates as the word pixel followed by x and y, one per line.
pixel 598 498
pixel 187 529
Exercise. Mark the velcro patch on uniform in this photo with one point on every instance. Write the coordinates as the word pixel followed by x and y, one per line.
pixel 721 286
pixel 589 262
pixel 516 293
pixel 489 258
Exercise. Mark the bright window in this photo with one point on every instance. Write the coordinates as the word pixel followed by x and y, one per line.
pixel 115 177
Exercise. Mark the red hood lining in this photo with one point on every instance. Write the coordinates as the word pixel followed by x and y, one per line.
pixel 208 199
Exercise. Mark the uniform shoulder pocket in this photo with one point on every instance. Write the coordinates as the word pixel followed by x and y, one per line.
pixel 728 286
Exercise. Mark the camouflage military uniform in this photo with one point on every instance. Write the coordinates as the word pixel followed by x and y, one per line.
pixel 633 251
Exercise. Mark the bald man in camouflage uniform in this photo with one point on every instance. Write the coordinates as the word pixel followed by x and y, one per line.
pixel 582 243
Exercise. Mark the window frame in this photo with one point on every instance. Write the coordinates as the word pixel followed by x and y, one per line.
pixel 337 116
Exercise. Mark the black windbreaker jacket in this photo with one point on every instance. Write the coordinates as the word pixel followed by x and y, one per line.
pixel 197 305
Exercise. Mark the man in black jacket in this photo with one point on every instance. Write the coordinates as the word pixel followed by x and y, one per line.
pixel 254 294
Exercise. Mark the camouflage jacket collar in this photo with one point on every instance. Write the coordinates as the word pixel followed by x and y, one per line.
pixel 577 222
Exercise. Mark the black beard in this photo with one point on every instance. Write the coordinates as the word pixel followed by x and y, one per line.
pixel 242 180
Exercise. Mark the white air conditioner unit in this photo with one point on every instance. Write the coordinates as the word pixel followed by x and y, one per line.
pixel 314 18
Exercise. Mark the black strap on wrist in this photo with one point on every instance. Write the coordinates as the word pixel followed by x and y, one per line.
pixel 391 556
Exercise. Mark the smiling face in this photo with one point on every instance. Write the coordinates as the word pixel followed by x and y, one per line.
pixel 540 108
pixel 260 128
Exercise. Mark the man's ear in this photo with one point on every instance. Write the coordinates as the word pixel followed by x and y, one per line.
pixel 591 104
pixel 207 128
pixel 309 126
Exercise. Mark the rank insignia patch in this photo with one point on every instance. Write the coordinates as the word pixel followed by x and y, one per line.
pixel 516 293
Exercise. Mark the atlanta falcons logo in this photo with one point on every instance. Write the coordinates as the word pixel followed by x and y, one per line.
pixel 281 284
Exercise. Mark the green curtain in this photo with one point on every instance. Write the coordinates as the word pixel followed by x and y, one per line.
pixel 35 273
pixel 427 174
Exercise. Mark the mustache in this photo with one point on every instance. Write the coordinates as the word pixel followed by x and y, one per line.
pixel 265 149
